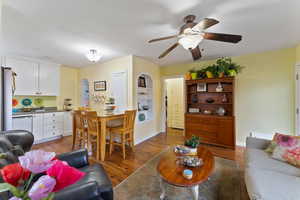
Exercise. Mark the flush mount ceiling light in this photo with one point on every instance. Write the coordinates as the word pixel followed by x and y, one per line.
pixel 93 55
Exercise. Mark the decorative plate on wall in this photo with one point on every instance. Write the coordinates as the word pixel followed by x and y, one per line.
pixel 38 102
pixel 26 102
pixel 15 102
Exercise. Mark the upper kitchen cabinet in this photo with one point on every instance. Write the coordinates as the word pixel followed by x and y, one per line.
pixel 49 77
pixel 35 78
pixel 27 74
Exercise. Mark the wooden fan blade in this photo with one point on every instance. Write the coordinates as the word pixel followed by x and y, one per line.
pixel 166 52
pixel 222 37
pixel 163 38
pixel 196 53
pixel 204 24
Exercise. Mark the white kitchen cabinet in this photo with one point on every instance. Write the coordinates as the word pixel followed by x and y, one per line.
pixel 53 124
pixel 44 126
pixel 68 123
pixel 27 73
pixel 35 78
pixel 38 127
pixel 49 77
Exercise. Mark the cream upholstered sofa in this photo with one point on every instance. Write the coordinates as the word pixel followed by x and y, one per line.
pixel 267 178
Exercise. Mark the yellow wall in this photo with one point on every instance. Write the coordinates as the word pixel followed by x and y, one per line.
pixel 68 86
pixel 264 98
pixel 102 72
pixel 148 129
pixel 134 66
pixel 298 53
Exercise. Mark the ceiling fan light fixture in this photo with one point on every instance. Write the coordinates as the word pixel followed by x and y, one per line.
pixel 93 55
pixel 190 42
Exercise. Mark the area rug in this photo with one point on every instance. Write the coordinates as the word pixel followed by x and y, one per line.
pixel 143 184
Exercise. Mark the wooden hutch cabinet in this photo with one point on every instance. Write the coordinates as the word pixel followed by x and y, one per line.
pixel 210 111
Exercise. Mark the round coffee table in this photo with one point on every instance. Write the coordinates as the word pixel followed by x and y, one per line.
pixel 171 172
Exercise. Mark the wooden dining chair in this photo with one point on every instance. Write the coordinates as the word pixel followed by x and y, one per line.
pixel 125 132
pixel 80 133
pixel 93 129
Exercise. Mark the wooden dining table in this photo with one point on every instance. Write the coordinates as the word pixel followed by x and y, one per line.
pixel 103 118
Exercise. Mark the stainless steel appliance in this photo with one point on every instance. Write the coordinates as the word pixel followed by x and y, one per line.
pixel 7 88
pixel 22 122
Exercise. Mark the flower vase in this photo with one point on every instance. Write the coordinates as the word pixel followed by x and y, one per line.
pixel 188 76
pixel 194 75
pixel 209 74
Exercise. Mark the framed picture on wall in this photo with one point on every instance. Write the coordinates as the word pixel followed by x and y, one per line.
pixel 201 87
pixel 100 85
pixel 142 82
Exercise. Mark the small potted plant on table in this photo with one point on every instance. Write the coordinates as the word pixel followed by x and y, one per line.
pixel 192 144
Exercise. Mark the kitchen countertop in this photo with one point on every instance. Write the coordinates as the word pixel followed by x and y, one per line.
pixel 39 112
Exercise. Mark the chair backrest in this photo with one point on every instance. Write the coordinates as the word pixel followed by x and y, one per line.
pixel 78 119
pixel 84 108
pixel 92 124
pixel 91 114
pixel 129 119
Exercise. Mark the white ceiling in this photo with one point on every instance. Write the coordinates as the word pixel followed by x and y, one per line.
pixel 62 31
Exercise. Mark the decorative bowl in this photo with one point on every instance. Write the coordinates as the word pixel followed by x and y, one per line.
pixel 190 161
pixel 210 100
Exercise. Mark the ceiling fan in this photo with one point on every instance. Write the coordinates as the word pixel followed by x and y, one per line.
pixel 192 33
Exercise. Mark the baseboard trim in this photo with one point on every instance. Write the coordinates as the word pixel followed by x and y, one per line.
pixel 242 144
pixel 146 138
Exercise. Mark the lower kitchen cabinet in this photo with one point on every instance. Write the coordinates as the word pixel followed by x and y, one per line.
pixel 37 127
pixel 47 126
pixel 68 123
pixel 53 125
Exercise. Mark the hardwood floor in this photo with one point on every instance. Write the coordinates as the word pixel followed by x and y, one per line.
pixel 119 169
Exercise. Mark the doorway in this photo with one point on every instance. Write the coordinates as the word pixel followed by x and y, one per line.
pixel 174 106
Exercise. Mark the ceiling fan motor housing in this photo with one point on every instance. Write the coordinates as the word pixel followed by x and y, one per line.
pixel 189 18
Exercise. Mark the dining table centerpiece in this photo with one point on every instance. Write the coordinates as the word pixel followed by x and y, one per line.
pixel 37 176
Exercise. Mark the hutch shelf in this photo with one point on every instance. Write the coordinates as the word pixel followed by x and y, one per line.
pixel 210 111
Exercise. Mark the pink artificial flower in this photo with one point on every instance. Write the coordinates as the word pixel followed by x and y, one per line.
pixel 286 140
pixel 64 174
pixel 37 161
pixel 15 198
pixel 42 188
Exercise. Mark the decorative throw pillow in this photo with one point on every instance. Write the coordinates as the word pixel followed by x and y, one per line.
pixel 277 138
pixel 292 156
pixel 285 143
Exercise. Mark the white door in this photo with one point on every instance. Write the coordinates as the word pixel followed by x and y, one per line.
pixel 49 78
pixel 119 89
pixel 175 107
pixel 38 127
pixel 27 76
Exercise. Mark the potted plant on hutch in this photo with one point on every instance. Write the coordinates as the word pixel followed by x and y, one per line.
pixel 193 73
